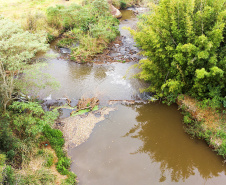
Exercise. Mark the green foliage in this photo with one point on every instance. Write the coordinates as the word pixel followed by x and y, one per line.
pixel 122 4
pixel 96 107
pixel 8 176
pixel 100 8
pixel 65 43
pixel 16 49
pixel 81 112
pixel 71 179
pixel 184 41
pixel 29 119
pixel 2 166
pixel 55 137
pixel 92 26
pixel 66 18
pixel 63 164
pixel 50 38
pixel 8 142
pixel 49 160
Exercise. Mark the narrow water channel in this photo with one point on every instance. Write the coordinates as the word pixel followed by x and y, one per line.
pixel 107 81
pixel 139 144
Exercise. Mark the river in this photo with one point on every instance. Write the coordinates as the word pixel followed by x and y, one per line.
pixel 138 144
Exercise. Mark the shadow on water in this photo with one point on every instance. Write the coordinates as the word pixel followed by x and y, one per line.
pixel 165 141
pixel 145 144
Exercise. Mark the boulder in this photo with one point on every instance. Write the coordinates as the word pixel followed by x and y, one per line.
pixel 115 12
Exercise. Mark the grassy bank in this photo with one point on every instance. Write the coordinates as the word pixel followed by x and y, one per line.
pixel 205 123
pixel 31 151
pixel 87 27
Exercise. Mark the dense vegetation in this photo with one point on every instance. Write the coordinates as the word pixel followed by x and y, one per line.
pixel 25 127
pixel 29 146
pixel 27 138
pixel 184 41
pixel 86 29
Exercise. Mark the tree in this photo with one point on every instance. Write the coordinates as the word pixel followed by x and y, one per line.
pixel 17 47
pixel 184 41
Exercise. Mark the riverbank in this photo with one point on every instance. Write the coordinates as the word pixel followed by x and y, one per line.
pixel 39 145
pixel 77 129
pixel 204 123
pixel 86 27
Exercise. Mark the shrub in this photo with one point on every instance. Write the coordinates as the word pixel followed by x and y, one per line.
pixel 29 119
pixel 16 48
pixel 65 42
pixel 184 42
pixel 100 8
pixel 92 26
pixel 2 166
pixel 71 179
pixel 63 164
pixel 49 160
pixel 8 142
pixel 56 140
pixel 8 176
pixel 122 4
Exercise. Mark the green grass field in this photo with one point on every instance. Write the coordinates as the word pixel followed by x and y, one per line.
pixel 14 9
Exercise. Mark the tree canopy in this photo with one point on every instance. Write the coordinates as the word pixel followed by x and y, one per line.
pixel 17 47
pixel 184 41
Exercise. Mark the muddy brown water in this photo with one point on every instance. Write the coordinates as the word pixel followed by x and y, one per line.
pixel 107 81
pixel 141 144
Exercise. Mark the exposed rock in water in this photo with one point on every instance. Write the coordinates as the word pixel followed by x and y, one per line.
pixel 115 12
pixel 65 50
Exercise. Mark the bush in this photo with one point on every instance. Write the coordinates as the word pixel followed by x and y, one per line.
pixel 71 179
pixel 122 4
pixel 29 119
pixel 49 160
pixel 92 26
pixel 8 176
pixel 55 137
pixel 184 42
pixel 63 164
pixel 8 142
pixel 65 43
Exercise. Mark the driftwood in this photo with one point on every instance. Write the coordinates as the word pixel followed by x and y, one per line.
pixel 68 100
pixel 88 103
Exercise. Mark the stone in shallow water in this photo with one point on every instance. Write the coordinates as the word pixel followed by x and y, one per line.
pixel 65 50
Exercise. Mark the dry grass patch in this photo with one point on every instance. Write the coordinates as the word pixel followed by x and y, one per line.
pixel 37 172
pixel 206 123
pixel 207 115
pixel 16 8
pixel 31 14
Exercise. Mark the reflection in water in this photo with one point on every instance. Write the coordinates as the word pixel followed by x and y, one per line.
pixel 78 71
pixel 104 81
pixel 145 144
pixel 100 72
pixel 165 142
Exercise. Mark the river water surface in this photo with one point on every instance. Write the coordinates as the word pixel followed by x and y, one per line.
pixel 143 145
pixel 140 144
